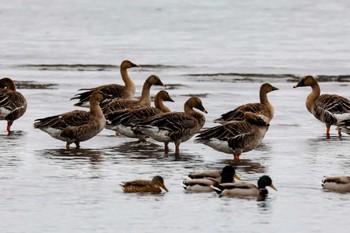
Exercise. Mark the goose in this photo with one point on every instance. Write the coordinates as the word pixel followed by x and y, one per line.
pixel 236 136
pixel 337 183
pixel 245 189
pixel 329 109
pixel 208 178
pixel 264 107
pixel 115 90
pixel 76 126
pixel 12 103
pixel 154 186
pixel 144 101
pixel 175 127
pixel 125 121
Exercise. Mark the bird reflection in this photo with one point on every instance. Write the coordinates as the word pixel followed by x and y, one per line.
pixel 93 155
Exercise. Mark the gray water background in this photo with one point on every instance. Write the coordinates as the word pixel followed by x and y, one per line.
pixel 220 50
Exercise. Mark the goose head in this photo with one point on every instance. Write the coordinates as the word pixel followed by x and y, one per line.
pixel 126 64
pixel 8 84
pixel 163 95
pixel 306 81
pixel 195 102
pixel 154 80
pixel 267 87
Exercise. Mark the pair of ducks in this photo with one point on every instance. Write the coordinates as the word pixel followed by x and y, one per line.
pixel 220 181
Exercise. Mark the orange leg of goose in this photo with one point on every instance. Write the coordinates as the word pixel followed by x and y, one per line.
pixel 236 157
pixel 67 146
pixel 166 147
pixel 8 129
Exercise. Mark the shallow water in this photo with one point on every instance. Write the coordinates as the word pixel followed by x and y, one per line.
pixel 47 189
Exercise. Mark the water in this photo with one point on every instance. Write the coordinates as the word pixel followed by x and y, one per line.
pixel 46 189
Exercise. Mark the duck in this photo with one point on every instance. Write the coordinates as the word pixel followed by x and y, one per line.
pixel 236 136
pixel 245 189
pixel 125 121
pixel 264 107
pixel 76 126
pixel 337 184
pixel 144 101
pixel 115 90
pixel 202 181
pixel 330 109
pixel 13 105
pixel 175 127
pixel 154 186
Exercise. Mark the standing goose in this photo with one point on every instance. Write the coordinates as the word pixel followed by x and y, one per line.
pixel 76 126
pixel 245 189
pixel 115 90
pixel 202 181
pixel 154 186
pixel 144 101
pixel 264 107
pixel 337 183
pixel 175 127
pixel 12 103
pixel 125 121
pixel 236 136
pixel 329 109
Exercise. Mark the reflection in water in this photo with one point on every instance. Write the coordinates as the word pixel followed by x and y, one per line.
pixel 246 165
pixel 74 154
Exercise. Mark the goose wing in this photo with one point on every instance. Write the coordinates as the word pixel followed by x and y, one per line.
pixel 12 105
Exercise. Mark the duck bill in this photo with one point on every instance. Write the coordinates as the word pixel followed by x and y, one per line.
pixel 237 177
pixel 273 187
pixel 165 189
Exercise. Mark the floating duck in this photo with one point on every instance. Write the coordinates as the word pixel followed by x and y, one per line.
pixel 144 186
pixel 337 183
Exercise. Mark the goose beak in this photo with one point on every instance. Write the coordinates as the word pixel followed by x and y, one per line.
pixel 295 86
pixel 237 177
pixel 274 88
pixel 273 187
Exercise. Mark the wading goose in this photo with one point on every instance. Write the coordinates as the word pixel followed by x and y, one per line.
pixel 125 121
pixel 144 186
pixel 337 184
pixel 144 101
pixel 175 127
pixel 115 90
pixel 264 107
pixel 12 103
pixel 76 126
pixel 329 109
pixel 236 136
pixel 243 189
pixel 207 179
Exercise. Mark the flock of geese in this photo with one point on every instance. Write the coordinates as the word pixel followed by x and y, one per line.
pixel 112 106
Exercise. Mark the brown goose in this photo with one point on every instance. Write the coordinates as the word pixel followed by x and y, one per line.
pixel 125 121
pixel 329 109
pixel 12 103
pixel 337 184
pixel 264 107
pixel 175 127
pixel 76 126
pixel 115 90
pixel 154 186
pixel 236 136
pixel 144 101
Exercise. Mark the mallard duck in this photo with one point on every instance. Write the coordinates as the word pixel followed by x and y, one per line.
pixel 236 136
pixel 202 181
pixel 12 103
pixel 76 126
pixel 243 189
pixel 264 107
pixel 115 90
pixel 144 186
pixel 125 121
pixel 144 101
pixel 175 127
pixel 337 184
pixel 329 109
